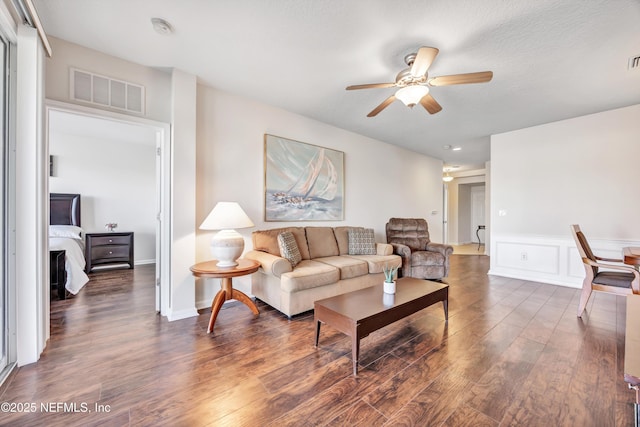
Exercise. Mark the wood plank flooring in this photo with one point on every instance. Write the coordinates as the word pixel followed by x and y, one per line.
pixel 512 354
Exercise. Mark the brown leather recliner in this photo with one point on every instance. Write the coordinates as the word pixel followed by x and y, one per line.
pixel 421 258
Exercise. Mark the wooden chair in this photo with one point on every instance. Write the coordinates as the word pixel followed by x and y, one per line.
pixel 623 280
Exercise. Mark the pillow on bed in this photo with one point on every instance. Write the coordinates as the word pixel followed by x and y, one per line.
pixel 70 231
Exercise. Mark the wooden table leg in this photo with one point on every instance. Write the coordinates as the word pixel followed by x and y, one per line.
pixel 219 299
pixel 318 324
pixel 355 352
pixel 240 296
pixel 226 293
pixel 445 304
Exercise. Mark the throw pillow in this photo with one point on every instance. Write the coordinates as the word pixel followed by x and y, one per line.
pixel 362 242
pixel 289 248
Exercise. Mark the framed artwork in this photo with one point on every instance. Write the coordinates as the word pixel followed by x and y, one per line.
pixel 302 182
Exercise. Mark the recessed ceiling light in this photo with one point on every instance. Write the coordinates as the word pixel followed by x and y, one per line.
pixel 161 26
pixel 457 148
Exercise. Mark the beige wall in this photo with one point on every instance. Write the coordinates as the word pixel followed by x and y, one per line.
pixel 381 180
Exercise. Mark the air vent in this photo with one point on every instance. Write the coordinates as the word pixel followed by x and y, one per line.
pixel 105 91
pixel 634 62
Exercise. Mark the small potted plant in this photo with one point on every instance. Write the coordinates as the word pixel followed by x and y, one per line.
pixel 389 282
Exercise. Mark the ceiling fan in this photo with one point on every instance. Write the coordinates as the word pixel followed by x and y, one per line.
pixel 414 82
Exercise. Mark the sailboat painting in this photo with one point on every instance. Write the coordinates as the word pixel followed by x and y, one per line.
pixel 303 182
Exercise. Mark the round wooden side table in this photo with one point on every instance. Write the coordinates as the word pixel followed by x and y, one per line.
pixel 209 270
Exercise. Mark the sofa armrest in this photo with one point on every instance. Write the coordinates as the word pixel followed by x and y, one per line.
pixel 405 253
pixel 384 249
pixel 271 264
pixel 445 250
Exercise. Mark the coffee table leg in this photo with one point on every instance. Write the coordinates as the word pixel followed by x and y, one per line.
pixel 445 304
pixel 355 352
pixel 318 323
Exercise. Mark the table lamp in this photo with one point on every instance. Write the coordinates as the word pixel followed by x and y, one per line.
pixel 227 245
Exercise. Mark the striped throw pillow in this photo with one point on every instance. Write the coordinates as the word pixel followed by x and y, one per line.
pixel 289 248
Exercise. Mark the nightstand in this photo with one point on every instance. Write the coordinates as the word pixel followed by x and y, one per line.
pixel 108 249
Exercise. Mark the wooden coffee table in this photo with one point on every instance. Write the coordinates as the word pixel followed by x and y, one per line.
pixel 359 313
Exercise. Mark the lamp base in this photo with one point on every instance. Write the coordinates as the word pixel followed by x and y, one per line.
pixel 227 247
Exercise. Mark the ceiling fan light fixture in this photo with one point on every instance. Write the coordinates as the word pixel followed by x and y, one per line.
pixel 411 95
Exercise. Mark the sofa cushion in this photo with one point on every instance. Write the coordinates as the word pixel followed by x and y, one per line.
pixel 362 242
pixel 309 274
pixel 267 240
pixel 289 248
pixel 349 267
pixel 377 262
pixel 342 238
pixel 321 241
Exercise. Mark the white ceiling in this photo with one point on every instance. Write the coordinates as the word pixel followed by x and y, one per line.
pixel 552 59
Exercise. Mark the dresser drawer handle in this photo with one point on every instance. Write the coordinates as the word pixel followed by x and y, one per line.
pixel 110 253
pixel 110 241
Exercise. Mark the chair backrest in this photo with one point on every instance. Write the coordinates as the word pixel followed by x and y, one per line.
pixel 583 247
pixel 413 232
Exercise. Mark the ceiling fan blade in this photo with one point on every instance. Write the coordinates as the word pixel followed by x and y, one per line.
pixel 423 61
pixel 382 106
pixel 371 86
pixel 460 79
pixel 430 104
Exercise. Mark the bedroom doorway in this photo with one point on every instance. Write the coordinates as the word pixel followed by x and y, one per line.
pixel 132 155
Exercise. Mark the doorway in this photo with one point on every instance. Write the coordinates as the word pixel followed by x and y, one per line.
pixel 97 124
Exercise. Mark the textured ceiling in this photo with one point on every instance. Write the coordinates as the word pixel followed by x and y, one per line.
pixel 552 59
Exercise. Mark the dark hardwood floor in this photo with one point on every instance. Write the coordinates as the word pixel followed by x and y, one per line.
pixel 512 354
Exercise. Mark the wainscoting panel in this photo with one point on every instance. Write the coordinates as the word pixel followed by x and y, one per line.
pixel 547 259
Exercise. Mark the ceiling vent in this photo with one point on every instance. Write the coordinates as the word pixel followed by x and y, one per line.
pixel 106 92
pixel 634 62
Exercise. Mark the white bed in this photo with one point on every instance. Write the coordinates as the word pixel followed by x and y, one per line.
pixel 65 234
pixel 69 239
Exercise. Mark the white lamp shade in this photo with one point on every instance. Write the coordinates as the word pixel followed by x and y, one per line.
pixel 411 95
pixel 226 216
pixel 227 245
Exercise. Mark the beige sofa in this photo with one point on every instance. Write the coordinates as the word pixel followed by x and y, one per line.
pixel 326 268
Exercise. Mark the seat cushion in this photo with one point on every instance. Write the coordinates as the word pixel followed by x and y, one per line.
pixel 309 274
pixel 614 278
pixel 349 267
pixel 377 262
pixel 426 258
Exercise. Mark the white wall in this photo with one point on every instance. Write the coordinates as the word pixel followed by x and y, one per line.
pixel 66 55
pixel 577 171
pixel 117 181
pixel 381 180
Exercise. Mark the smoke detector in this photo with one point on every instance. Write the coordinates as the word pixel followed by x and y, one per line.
pixel 161 26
